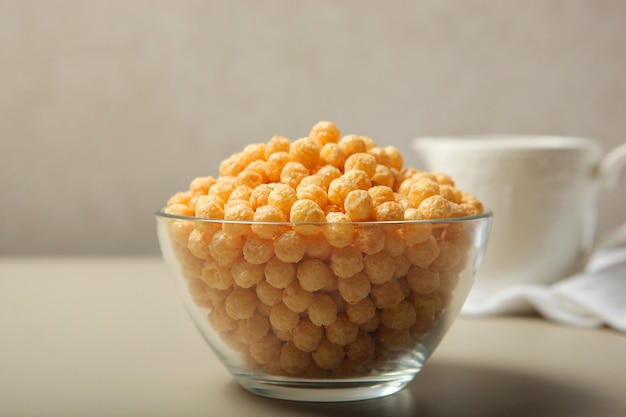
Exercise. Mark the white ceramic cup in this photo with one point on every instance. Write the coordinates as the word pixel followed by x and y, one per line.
pixel 543 192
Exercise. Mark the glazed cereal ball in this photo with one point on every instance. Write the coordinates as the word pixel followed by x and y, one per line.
pixel 293 173
pixel 361 312
pixel 381 194
pixel 268 294
pixel 372 324
pixel 233 165
pixel 325 132
pixel 307 211
pixel 346 261
pixel 422 189
pixel 332 155
pixel 328 355
pixel 225 248
pixel 266 349
pixel 216 276
pixel 351 144
pixel 355 288
pixel 423 280
pixel 275 164
pixel 246 274
pixel 241 211
pixel 252 329
pixel 198 243
pixel 323 310
pixel 317 247
pixel 270 214
pixel 257 250
pixel 383 176
pixel 280 274
pixel 293 360
pixel 289 247
pixel 283 319
pixel 369 239
pixel 307 335
pixel 259 195
pixel 399 317
pixel 276 144
pixel 296 298
pixel 393 339
pixel 449 255
pixel 437 207
pixel 358 205
pixel 179 210
pixel 221 321
pixel 362 349
pixel 423 254
pixel 305 151
pixel 251 177
pixel 358 177
pixel 394 241
pixel 361 161
pixel 180 231
pixel 313 274
pixel 339 230
pixel 379 267
pixel 312 192
pixel 209 207
pixel 401 266
pixel 387 294
pixel 312 180
pixel 328 173
pixel 282 197
pixel 254 151
pixel 241 303
pixel 182 197
pixel 339 189
pixel 416 232
pixel 342 331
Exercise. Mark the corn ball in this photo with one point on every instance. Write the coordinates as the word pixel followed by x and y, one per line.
pixel 393 339
pixel 180 231
pixel 266 349
pixel 423 280
pixel 331 154
pixel 180 199
pixel 327 174
pixel 358 177
pixel 369 240
pixel 358 205
pixel 280 274
pixel 216 276
pixel 293 360
pixel 423 254
pixel 282 318
pixel 313 274
pixel 422 189
pixel 267 214
pixel 221 321
pixel 361 161
pixel 317 247
pixel 449 255
pixel 387 294
pixel 355 288
pixel 198 244
pixel 362 311
pixel 401 266
pixel 259 196
pixel 314 179
pixel 306 211
pixel 362 349
pixel 225 248
pixel 352 144
pixel 222 189
pixel 342 331
pixel 371 324
pixel 293 173
pixel 323 310
pixel 437 207
pixel 241 303
pixel 282 197
pixel 257 250
pixel 245 274
pixel 339 189
pixel 312 192
pixel 328 355
pixel 276 144
pixel 339 230
pixel 268 294
pixel 285 336
pixel 400 317
pixel 252 329
pixel 289 247
pixel 296 298
pixel 379 267
pixel 346 261
pixel 307 335
pixel 275 164
pixel 324 132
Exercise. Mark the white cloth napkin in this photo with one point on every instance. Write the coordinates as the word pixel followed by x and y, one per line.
pixel 593 298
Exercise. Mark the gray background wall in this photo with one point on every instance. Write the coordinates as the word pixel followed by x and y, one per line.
pixel 109 107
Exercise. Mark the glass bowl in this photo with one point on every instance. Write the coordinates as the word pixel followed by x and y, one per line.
pixel 323 311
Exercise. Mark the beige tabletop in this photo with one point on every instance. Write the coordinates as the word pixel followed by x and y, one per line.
pixel 108 337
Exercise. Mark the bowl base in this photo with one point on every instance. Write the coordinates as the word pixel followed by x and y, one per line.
pixel 325 390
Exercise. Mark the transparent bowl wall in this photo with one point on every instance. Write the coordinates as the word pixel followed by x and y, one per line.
pixel 415 276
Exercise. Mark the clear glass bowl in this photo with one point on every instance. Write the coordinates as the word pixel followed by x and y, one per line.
pixel 323 312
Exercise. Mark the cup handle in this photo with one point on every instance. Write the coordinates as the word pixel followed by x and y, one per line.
pixel 610 165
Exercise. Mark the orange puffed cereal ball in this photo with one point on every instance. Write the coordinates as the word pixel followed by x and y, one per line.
pixel 362 349
pixel 307 335
pixel 388 211
pixel 209 207
pixel 436 207
pixel 399 317
pixel 292 173
pixel 355 288
pixel 307 211
pixel 383 176
pixel 266 349
pixel 394 242
pixel 346 261
pixel 313 274
pixel 351 144
pixel 401 266
pixel 237 212
pixel 339 189
pixel 387 294
pixel 423 254
pixel 216 276
pixel 395 157
pixel 258 250
pixel 372 324
pixel 328 355
pixel 241 192
pixel 328 173
pixel 358 177
pixel 361 161
pixel 180 230
pixel 233 165
pixel 268 294
pixel 259 196
pixel 225 248
pixel 379 267
pixel 449 255
pixel 423 280
pixel 201 185
pixel 317 247
pixel 312 180
pixel 312 192
pixel 323 310
pixel 181 198
pixel 332 155
pixel 381 194
pixel 296 298
pixel 282 197
pixel 252 177
pixel 380 154
pixel 245 274
pixel 282 318
pixel 267 214
pixel 252 329
pixel 277 144
pixel 369 239
pixel 179 210
pixel 289 247
pixel 254 152
pixel 342 331
pixel 198 243
pixel 339 230
pixel 361 312
pixel 358 205
pixel 393 339
pixel 241 303
pixel 305 151
pixel 422 189
pixel 293 360
pixel 221 321
pixel 280 274
pixel 417 232
pixel 450 193
pixel 325 132
pixel 275 164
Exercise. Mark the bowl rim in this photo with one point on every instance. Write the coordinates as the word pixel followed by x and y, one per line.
pixel 487 214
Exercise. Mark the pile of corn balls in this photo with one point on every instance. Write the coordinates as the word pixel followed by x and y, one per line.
pixel 329 293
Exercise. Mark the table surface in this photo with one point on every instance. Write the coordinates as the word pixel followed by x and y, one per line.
pixel 107 336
